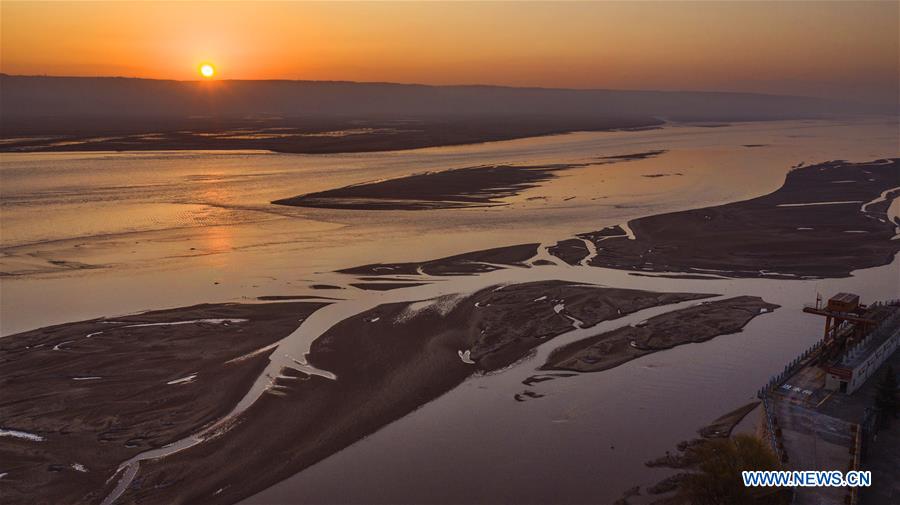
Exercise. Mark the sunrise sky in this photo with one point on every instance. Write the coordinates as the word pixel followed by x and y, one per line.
pixel 834 49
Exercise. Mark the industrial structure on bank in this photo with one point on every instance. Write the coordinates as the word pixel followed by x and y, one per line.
pixel 818 411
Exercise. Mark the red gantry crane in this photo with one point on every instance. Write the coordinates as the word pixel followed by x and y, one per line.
pixel 845 323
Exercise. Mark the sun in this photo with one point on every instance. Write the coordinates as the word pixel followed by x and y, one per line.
pixel 207 70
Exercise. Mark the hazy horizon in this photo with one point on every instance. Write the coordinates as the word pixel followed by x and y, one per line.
pixel 438 85
pixel 836 50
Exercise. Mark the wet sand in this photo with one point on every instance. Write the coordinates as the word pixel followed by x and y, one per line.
pixel 457 188
pixel 825 221
pixel 816 225
pixel 573 251
pixel 694 324
pixel 634 156
pixel 480 186
pixel 388 361
pixel 384 407
pixel 278 298
pixel 724 425
pixel 309 135
pixel 384 286
pixel 98 392
pixel 460 264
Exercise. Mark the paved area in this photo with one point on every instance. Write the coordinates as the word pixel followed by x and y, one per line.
pixel 816 430
pixel 806 388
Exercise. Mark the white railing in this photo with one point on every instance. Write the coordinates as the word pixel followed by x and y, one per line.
pixel 789 369
pixel 886 329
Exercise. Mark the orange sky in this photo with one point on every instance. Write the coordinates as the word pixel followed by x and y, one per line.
pixel 842 49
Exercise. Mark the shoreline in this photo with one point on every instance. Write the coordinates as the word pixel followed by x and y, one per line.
pixel 384 371
pixel 315 136
pixel 97 392
pixel 696 324
pixel 457 188
pixel 391 396
pixel 780 235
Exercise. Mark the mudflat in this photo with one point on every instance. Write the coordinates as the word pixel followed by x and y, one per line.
pixel 388 361
pixel 479 186
pixel 84 404
pixel 384 286
pixel 310 134
pixel 89 395
pixel 825 221
pixel 693 324
pixel 462 187
pixel 573 251
pixel 460 264
pixel 724 424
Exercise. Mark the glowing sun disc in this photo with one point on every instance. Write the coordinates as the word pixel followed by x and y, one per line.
pixel 207 70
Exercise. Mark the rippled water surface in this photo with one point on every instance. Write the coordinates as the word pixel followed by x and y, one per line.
pixel 79 230
pixel 93 234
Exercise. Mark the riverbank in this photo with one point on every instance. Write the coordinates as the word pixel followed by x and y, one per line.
pixel 826 220
pixel 141 382
pixel 691 325
pixel 310 134
pixel 91 394
pixel 477 262
pixel 480 186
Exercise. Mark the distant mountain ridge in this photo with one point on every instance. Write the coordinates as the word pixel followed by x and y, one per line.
pixel 30 97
